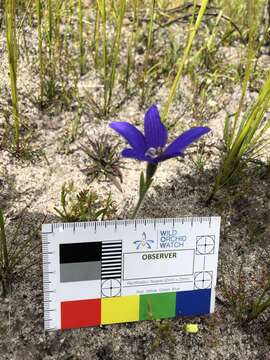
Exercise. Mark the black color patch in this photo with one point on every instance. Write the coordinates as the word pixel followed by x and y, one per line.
pixel 80 252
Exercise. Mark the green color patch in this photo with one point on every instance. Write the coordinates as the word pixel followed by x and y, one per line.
pixel 157 306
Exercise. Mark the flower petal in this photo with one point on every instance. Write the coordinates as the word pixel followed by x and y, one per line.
pixel 156 134
pixel 131 153
pixel 178 146
pixel 165 156
pixel 133 136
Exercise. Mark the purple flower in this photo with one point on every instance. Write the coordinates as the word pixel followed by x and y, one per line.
pixel 151 146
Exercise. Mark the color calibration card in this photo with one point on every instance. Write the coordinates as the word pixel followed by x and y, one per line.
pixel 106 272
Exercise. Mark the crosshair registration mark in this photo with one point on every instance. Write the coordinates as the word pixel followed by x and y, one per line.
pixel 111 288
pixel 205 244
pixel 203 280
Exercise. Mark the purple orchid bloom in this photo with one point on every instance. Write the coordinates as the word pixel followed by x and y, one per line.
pixel 151 146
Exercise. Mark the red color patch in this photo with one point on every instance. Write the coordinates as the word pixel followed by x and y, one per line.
pixel 80 313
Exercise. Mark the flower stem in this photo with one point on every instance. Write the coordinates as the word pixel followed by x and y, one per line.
pixel 144 186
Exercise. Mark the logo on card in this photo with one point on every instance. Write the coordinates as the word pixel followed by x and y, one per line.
pixel 143 243
pixel 171 239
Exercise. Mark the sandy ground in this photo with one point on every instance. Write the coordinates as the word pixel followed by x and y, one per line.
pixel 179 189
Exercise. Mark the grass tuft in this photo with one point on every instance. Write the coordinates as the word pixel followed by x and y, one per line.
pixel 10 17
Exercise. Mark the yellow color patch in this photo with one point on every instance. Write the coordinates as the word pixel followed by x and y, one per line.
pixel 119 309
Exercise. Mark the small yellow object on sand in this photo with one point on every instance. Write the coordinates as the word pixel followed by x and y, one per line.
pixel 191 328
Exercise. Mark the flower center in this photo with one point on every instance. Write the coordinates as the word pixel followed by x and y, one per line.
pixel 154 152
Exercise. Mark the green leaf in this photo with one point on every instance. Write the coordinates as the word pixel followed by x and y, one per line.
pixel 60 213
pixel 115 182
pixel 227 132
pixel 3 242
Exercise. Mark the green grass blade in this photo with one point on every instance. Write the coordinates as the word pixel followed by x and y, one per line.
pixel 193 31
pixel 4 259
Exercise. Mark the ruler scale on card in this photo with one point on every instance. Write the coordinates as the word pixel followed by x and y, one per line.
pixel 107 272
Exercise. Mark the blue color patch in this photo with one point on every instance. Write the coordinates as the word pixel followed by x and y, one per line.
pixel 195 302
